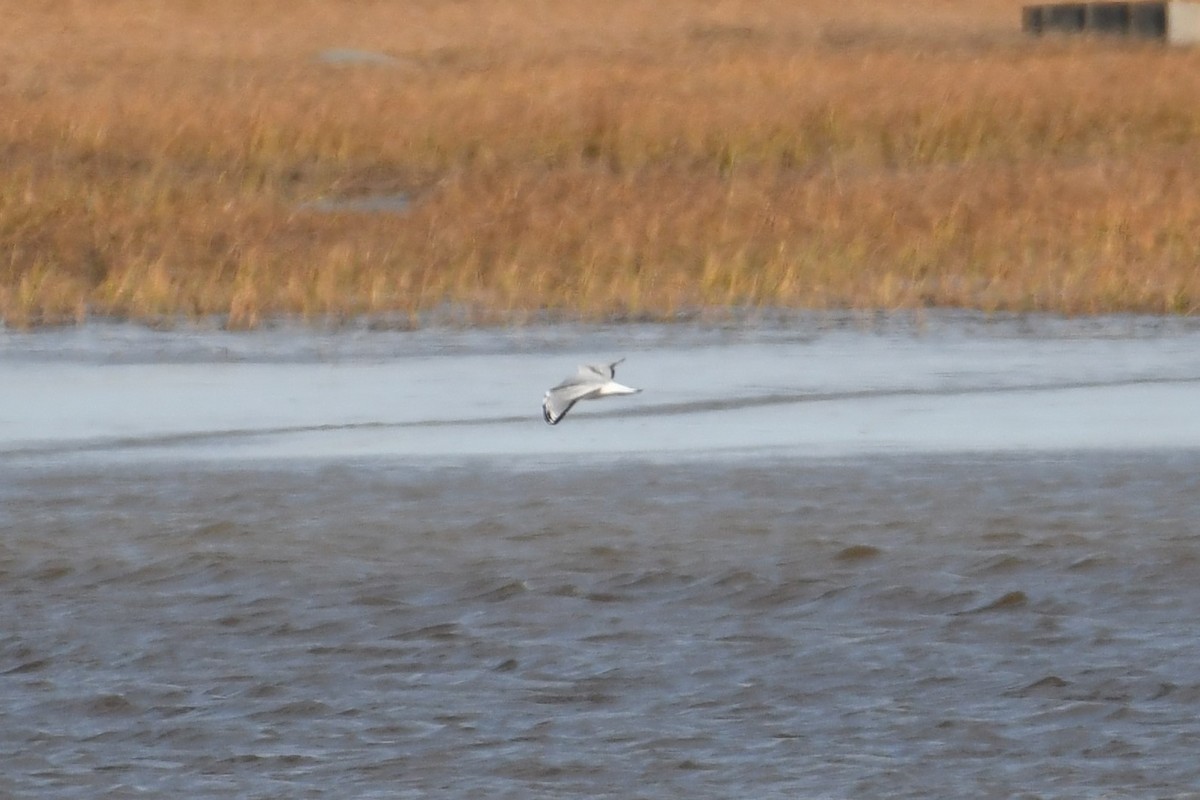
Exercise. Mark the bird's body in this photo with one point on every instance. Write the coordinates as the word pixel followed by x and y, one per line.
pixel 591 382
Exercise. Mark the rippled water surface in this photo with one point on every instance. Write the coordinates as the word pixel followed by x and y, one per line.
pixel 325 600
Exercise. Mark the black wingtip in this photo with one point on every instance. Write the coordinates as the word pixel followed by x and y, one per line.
pixel 546 416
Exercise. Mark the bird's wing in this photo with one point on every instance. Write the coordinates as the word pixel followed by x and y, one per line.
pixel 590 373
pixel 602 371
pixel 558 401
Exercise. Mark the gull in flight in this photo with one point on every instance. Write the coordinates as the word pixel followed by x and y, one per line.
pixel 591 382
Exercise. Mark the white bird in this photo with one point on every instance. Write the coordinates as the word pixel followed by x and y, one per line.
pixel 591 382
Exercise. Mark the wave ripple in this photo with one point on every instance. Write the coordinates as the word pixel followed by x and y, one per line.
pixel 730 629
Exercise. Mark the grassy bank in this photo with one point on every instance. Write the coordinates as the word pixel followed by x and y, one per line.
pixel 586 159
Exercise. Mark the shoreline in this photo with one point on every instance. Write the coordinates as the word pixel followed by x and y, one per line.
pixel 715 318
pixel 114 340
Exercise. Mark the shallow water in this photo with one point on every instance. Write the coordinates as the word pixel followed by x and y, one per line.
pixel 342 595
pixel 808 389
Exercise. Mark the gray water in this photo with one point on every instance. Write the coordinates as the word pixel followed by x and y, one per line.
pixel 950 563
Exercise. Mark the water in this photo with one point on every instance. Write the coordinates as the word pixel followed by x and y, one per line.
pixel 367 204
pixel 805 562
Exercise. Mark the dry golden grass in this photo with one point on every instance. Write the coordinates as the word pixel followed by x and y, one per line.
pixel 586 160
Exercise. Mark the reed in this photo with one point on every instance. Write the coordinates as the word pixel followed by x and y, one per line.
pixel 583 160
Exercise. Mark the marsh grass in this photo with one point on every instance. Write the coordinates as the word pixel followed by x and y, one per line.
pixel 587 160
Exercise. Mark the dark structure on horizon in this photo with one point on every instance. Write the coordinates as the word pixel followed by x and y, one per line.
pixel 1172 22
